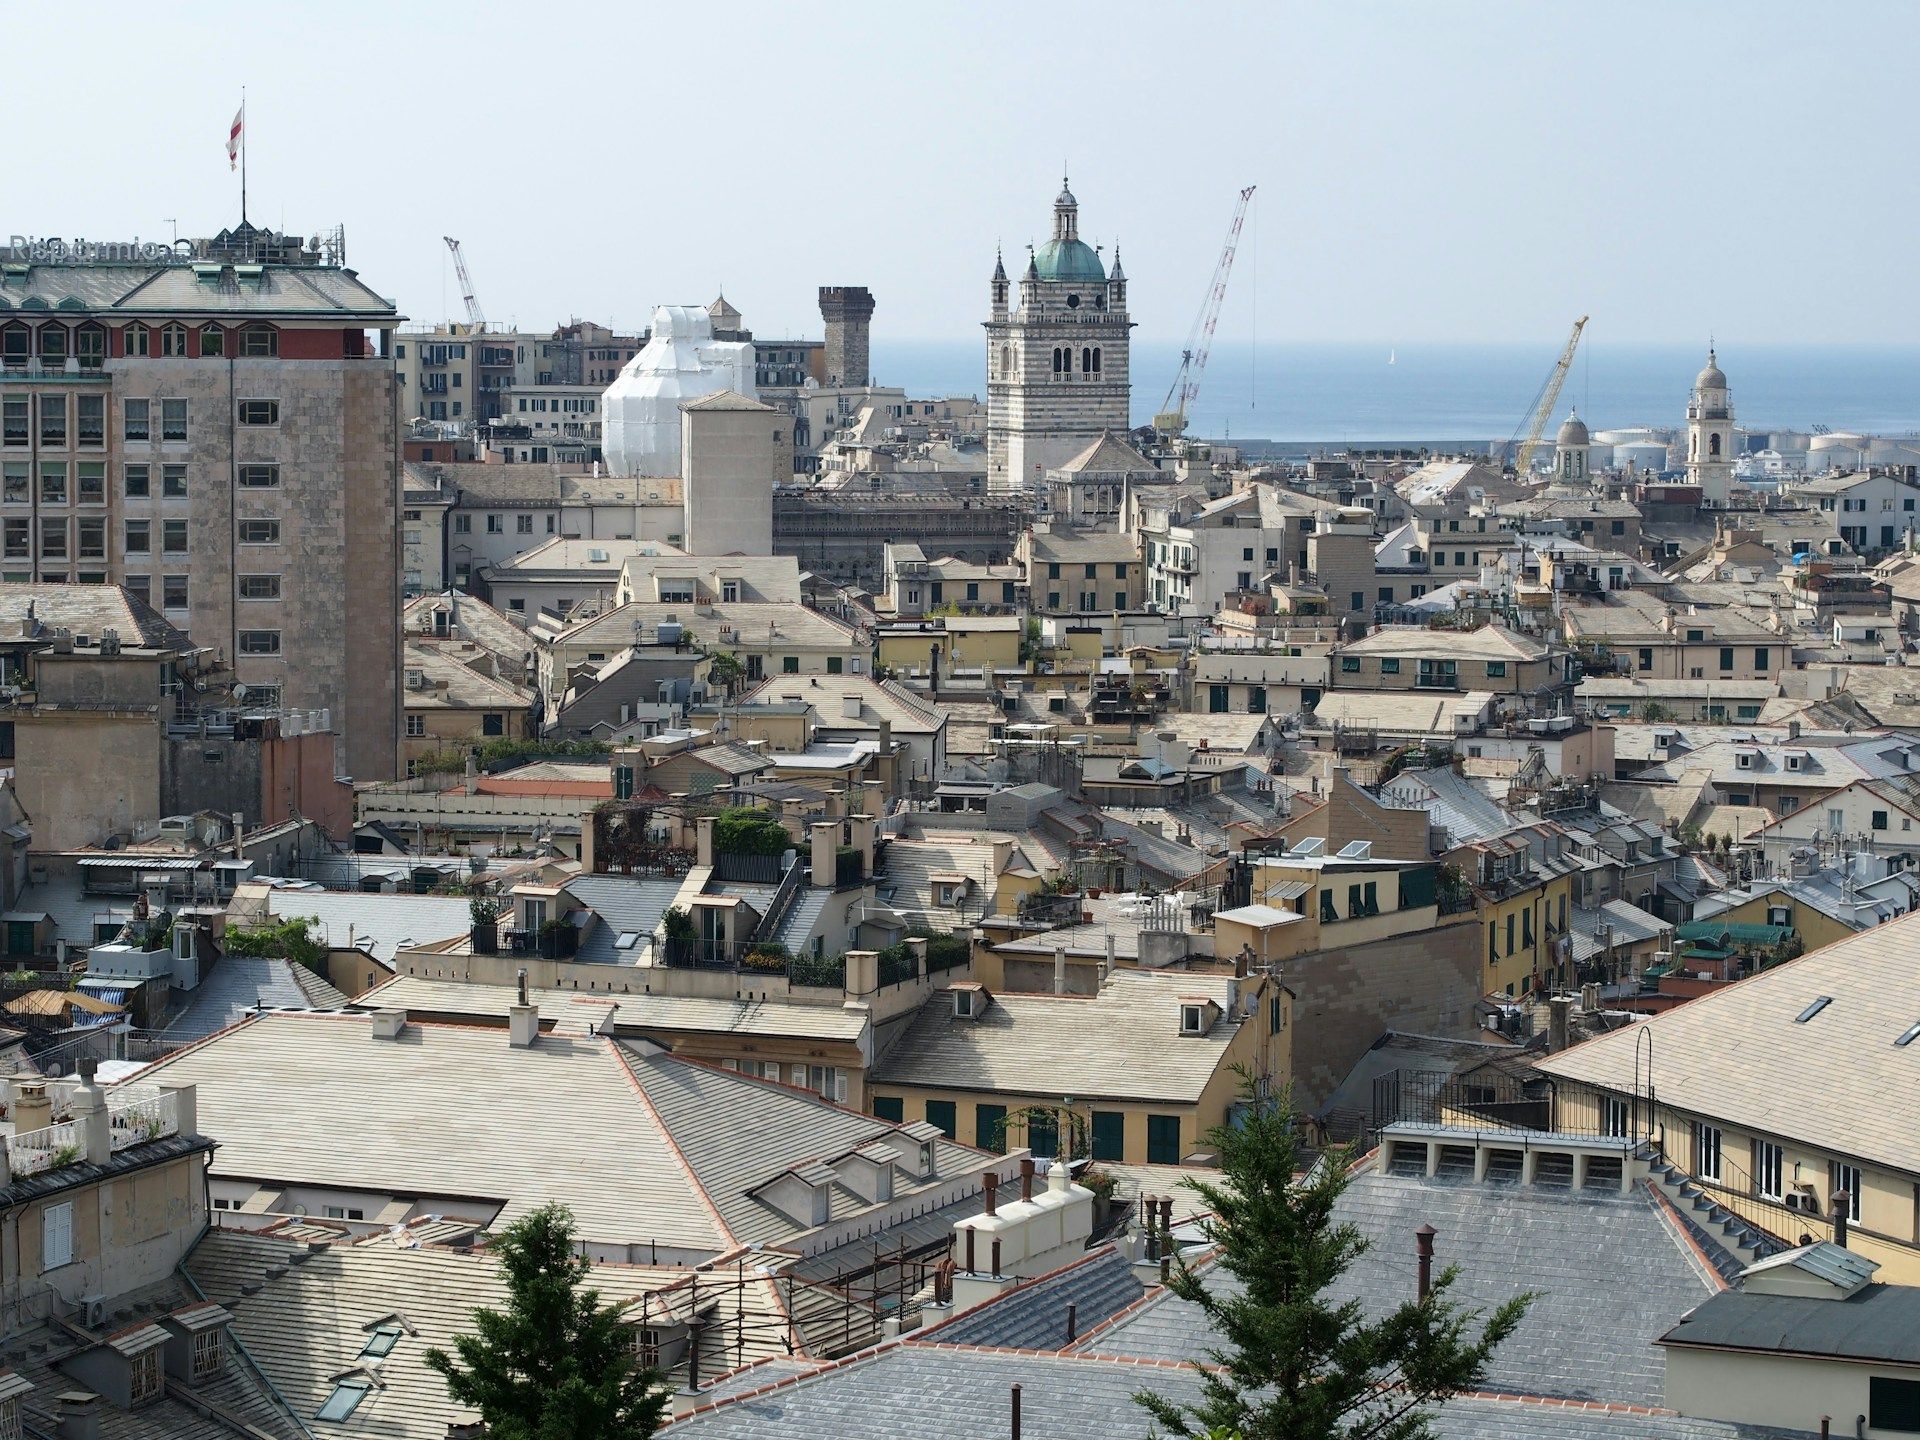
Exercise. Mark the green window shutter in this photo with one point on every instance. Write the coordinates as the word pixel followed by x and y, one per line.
pixel 1043 1134
pixel 987 1132
pixel 889 1107
pixel 1163 1139
pixel 1109 1135
pixel 940 1112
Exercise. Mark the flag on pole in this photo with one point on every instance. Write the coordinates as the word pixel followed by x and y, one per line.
pixel 233 136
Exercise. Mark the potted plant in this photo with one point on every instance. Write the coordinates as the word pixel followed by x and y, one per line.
pixel 484 911
pixel 1103 1184
pixel 681 934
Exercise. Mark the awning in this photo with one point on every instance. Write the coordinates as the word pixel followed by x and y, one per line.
pixel 26 916
pixel 233 864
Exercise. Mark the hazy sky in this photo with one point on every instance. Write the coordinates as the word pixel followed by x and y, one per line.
pixel 1427 171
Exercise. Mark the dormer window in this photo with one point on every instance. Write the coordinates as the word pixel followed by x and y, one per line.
pixel 963 1004
pixel 1193 1020
pixel 145 1378
pixel 209 1353
pixel 1744 760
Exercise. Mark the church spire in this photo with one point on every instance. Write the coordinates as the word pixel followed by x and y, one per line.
pixel 1066 213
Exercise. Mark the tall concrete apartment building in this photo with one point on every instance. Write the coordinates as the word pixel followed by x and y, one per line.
pixel 1056 361
pixel 209 424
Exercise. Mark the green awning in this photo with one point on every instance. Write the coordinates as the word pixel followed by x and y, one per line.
pixel 1719 932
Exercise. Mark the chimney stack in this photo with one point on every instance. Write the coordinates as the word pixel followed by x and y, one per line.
pixel 1073 1321
pixel 523 1019
pixel 79 1415
pixel 1842 1204
pixel 825 856
pixel 1014 1432
pixel 1026 1178
pixel 1059 969
pixel 1423 1242
pixel 1559 1014
pixel 992 1182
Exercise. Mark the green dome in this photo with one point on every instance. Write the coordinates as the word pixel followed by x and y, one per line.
pixel 1069 260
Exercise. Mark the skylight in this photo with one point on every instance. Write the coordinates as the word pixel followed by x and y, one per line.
pixel 344 1400
pixel 1909 1035
pixel 381 1341
pixel 1812 1010
pixel 626 940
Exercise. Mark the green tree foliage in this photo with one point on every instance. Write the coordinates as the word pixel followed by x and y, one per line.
pixel 556 1364
pixel 725 670
pixel 291 938
pixel 746 831
pixel 1291 1363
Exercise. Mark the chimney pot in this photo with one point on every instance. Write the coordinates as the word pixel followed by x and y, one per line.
pixel 1423 1242
pixel 1073 1321
pixel 1014 1419
pixel 996 1256
pixel 992 1182
pixel 1842 1204
pixel 1026 1178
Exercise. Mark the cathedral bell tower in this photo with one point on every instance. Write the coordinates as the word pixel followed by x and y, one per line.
pixel 1057 376
pixel 1710 434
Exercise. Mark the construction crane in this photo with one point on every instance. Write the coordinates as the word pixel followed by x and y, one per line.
pixel 1535 425
pixel 1172 419
pixel 475 316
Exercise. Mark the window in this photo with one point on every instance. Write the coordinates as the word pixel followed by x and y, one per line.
pixel 259 477
pixel 1842 1176
pixel 209 1352
pixel 173 537
pixel 16 482
pixel 53 483
pixel 134 482
pixel 259 642
pixel 1893 1404
pixel 495 525
pixel 523 524
pixel 213 340
pixel 835 664
pixel 1769 1170
pixel 1706 1151
pixel 1879 819
pixel 259 587
pixel 18 543
pixel 53 421
pixel 259 412
pixel 56 1236
pixel 1762 658
pixel 144 1379
pixel 1193 1020
pixel 889 1107
pixel 13 420
pixel 92 543
pixel 940 1113
pixel 173 592
pixel 1163 1139
pixel 173 482
pixel 493 723
pixel 260 340
pixel 790 664
pixel 416 726
pixel 382 1339
pixel 1613 1116
pixel 53 539
pixel 1349 664
pixel 259 532
pixel 989 1128
pixel 1726 657
pixel 91 411
pixel 345 1212
pixel 138 340
pixel 173 419
pixel 1496 669
pixel 345 1399
pixel 90 479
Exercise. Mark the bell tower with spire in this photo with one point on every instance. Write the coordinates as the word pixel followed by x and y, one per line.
pixel 1057 360
pixel 1710 434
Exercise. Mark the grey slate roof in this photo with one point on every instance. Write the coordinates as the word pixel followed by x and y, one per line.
pixel 1610 1273
pixel 385 922
pixel 932 1392
pixel 620 903
pixel 1034 1316
pixel 1879 1323
pixel 239 983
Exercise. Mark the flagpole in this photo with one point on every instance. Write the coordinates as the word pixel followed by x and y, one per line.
pixel 243 154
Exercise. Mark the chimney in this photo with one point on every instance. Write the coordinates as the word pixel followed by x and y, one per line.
pixel 933 672
pixel 1842 1203
pixel 863 973
pixel 850 707
pixel 79 1415
pixel 32 1109
pixel 1559 1011
pixel 239 826
pixel 1013 1422
pixel 387 1024
pixel 826 841
pixel 1026 1178
pixel 1059 969
pixel 1423 1242
pixel 92 1127
pixel 1073 1321
pixel 703 844
pixel 472 775
pixel 1793 729
pixel 523 1019
pixel 992 1182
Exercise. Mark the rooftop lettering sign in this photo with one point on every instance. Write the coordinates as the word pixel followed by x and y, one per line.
pixel 47 249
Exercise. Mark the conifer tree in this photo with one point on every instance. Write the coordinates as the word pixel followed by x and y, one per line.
pixel 555 1364
pixel 1291 1364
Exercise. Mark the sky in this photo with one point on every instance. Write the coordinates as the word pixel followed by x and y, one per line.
pixel 1428 171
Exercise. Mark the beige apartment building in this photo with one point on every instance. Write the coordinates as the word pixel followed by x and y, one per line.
pixel 1491 660
pixel 212 426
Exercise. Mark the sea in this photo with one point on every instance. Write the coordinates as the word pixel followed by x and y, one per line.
pixel 1338 394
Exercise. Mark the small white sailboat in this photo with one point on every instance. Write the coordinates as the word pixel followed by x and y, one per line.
pixel 1391 354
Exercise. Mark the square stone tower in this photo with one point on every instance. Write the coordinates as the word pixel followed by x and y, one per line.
pixel 847 310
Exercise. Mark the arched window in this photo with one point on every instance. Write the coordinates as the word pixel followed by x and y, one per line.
pixel 173 339
pixel 1006 361
pixel 1086 360
pixel 1713 446
pixel 137 340
pixel 1096 359
pixel 53 346
pixel 92 341
pixel 213 340
pixel 1056 359
pixel 260 340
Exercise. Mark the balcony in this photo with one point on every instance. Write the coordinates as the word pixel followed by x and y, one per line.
pixel 135 1114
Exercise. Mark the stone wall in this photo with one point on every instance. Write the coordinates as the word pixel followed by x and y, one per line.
pixel 1425 984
